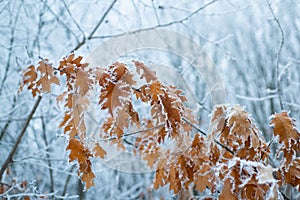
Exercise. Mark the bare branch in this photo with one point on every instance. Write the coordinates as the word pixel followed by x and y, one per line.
pixel 278 55
pixel 97 26
pixel 11 154
pixel 68 180
pixel 159 25
pixel 133 133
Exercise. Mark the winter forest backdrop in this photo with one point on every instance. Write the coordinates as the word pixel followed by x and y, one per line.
pixel 254 46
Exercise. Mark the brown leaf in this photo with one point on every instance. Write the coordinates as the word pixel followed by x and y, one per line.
pixel 285 128
pixel 290 175
pixel 151 158
pixel 78 151
pixel 160 178
pixel 227 191
pixel 116 83
pixel 29 75
pixel 174 180
pixel 253 190
pixel 203 179
pixel 99 151
pixel 47 78
pixel 82 81
pixel 145 71
pixel 82 155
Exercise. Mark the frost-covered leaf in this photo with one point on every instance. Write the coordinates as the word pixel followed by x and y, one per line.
pixel 285 128
pixel 265 174
pixel 39 79
pixel 47 78
pixel 234 128
pixel 82 155
pixel 145 71
pixel 82 81
pixel 99 151
pixel 227 192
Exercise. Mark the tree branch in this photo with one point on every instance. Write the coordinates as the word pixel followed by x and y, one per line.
pixel 11 154
pixel 97 26
pixel 68 180
pixel 159 25
pixel 133 133
pixel 48 157
pixel 278 55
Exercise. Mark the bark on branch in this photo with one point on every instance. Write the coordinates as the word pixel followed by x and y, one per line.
pixel 9 159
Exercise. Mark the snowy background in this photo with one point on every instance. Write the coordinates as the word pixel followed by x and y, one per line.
pixel 254 46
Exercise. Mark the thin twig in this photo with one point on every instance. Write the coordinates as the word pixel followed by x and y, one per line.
pixel 47 155
pixel 203 133
pixel 278 55
pixel 23 119
pixel 58 19
pixel 159 25
pixel 9 120
pixel 11 43
pixel 156 15
pixel 68 180
pixel 75 22
pixel 96 27
pixel 133 133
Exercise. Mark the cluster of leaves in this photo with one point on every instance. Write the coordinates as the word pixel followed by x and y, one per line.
pixel 232 160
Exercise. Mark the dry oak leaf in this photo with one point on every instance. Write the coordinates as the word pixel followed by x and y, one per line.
pixel 217 120
pixel 47 77
pixel 285 128
pixel 115 82
pixel 166 107
pixel 150 92
pixel 145 71
pixel 88 176
pixel 242 126
pixel 186 170
pixel 29 75
pixel 29 78
pixel 73 121
pixel 227 192
pixel 82 81
pixel 151 158
pixel 72 61
pixel 174 114
pixel 249 152
pixel 82 155
pixel 174 180
pixel 126 115
pixel 291 175
pixel 254 190
pixel 78 151
pixel 99 151
pixel 160 178
pixel 205 178
pixel 239 130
